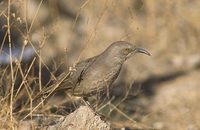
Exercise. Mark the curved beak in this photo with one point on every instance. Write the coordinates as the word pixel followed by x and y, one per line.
pixel 141 50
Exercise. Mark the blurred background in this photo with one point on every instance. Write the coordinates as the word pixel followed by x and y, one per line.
pixel 165 87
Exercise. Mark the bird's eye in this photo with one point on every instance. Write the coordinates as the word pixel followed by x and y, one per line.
pixel 126 51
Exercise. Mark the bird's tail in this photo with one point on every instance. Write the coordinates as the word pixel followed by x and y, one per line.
pixel 54 88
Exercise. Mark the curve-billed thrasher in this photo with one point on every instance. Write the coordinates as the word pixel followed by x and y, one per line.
pixel 97 73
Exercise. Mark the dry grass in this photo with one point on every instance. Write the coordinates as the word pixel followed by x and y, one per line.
pixel 170 29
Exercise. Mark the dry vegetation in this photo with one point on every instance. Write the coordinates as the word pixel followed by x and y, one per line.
pixel 160 92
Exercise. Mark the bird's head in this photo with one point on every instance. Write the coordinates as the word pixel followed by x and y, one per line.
pixel 122 50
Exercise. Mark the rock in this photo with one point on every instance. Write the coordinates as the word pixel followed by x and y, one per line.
pixel 81 119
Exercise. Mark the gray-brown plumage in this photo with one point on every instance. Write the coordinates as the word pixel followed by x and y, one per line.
pixel 97 73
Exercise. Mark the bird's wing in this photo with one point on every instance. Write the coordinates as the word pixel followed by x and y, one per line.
pixel 67 81
pixel 76 76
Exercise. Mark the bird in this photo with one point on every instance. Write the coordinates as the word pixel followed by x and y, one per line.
pixel 91 76
pixel 96 74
